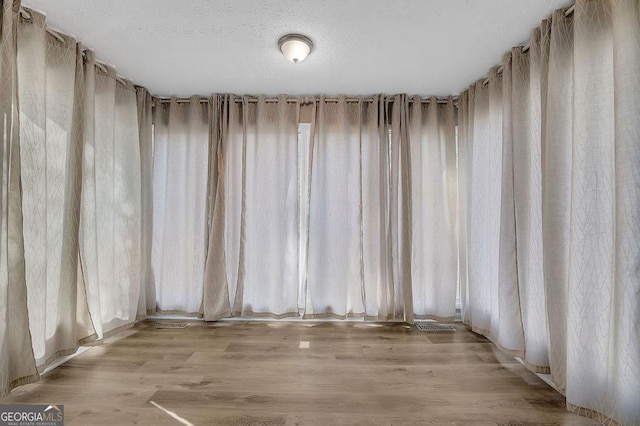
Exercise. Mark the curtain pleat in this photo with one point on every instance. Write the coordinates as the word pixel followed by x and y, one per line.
pixel 506 318
pixel 433 184
pixel 17 362
pixel 88 220
pixel 234 198
pixel 147 298
pixel 527 190
pixel 483 238
pixel 216 302
pixel 400 206
pixel 127 206
pixel 556 203
pixel 85 325
pixel 624 381
pixel 104 207
pixel 180 164
pixel 465 106
pixel 375 175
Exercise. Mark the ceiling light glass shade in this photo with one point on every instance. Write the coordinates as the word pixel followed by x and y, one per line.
pixel 295 47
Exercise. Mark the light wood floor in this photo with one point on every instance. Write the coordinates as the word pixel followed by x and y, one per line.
pixel 255 373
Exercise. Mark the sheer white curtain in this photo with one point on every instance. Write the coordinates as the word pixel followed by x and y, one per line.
pixel 466 102
pixel 526 129
pixel 147 300
pixel 263 144
pixel 353 202
pixel 506 323
pixel 489 294
pixel 127 209
pixel 180 164
pixel 433 183
pixel 110 213
pixel 335 271
pixel 571 122
pixel 51 90
pixel 395 120
pixel 603 303
pixel 383 289
pixel 88 246
pixel 216 297
pixel 17 363
pixel 486 216
pixel 258 204
pixel 556 202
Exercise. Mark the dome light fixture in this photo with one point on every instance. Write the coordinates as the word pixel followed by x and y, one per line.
pixel 295 47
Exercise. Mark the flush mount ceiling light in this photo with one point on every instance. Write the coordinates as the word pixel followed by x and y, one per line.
pixel 295 47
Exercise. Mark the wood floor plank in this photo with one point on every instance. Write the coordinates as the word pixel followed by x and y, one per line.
pixel 256 373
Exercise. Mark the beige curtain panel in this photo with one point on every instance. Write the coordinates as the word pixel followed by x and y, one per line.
pixel 349 270
pixel 180 164
pixel 110 215
pixel 51 93
pixel 70 268
pixel 147 299
pixel 567 204
pixel 252 263
pixel 17 360
pixel 434 266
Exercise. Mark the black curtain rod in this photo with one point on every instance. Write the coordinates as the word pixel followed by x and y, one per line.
pixel 527 46
pixel 302 100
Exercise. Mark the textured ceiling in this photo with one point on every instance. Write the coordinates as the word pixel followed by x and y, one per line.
pixel 187 47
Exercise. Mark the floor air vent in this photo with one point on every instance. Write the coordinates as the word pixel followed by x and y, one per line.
pixel 171 325
pixel 435 327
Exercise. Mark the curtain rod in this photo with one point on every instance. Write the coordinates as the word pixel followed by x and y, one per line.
pixel 567 12
pixel 527 46
pixel 56 34
pixel 570 10
pixel 293 100
pixel 27 16
pixel 103 67
pixel 60 37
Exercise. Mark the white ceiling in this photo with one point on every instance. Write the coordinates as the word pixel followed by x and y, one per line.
pixel 187 47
